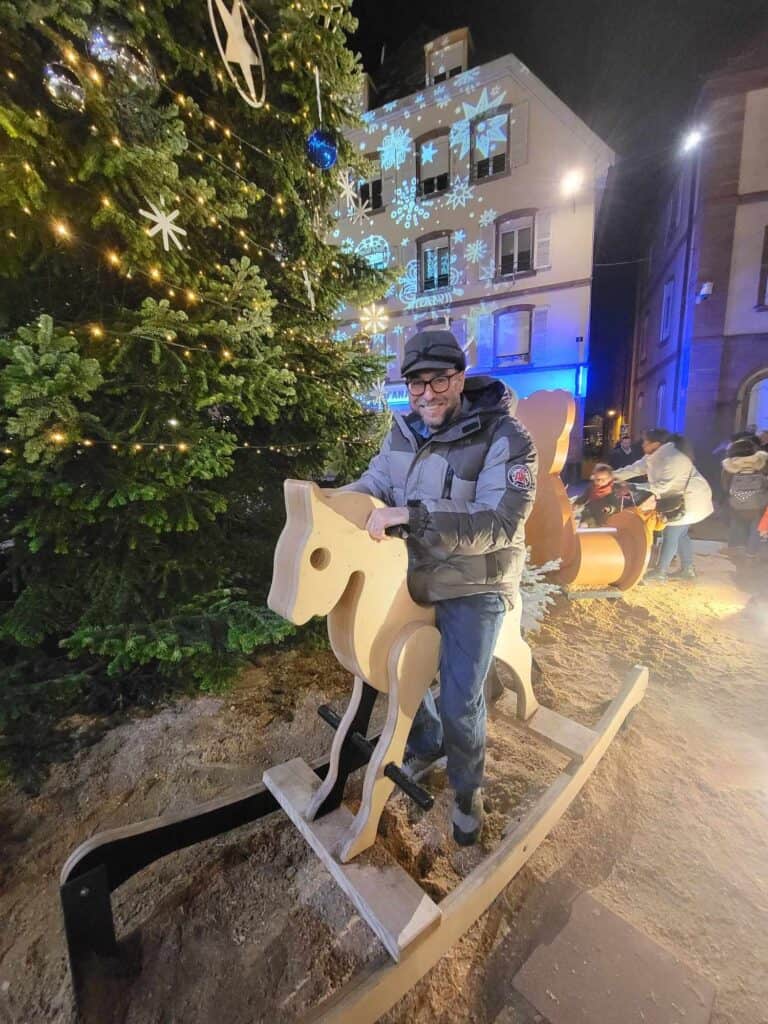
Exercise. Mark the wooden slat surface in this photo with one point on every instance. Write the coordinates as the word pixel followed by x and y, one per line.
pixel 563 733
pixel 385 895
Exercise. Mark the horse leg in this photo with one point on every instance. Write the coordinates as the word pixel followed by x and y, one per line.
pixel 516 655
pixel 413 660
pixel 356 718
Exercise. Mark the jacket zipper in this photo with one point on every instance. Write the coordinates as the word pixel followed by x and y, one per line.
pixel 448 482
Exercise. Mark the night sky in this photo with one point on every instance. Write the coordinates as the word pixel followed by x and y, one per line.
pixel 630 70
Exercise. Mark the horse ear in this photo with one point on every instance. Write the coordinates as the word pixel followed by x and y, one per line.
pixel 549 417
pixel 300 496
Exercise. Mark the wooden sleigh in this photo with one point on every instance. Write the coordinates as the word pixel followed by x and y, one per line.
pixel 326 564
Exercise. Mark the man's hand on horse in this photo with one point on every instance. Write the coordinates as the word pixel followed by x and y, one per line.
pixel 382 518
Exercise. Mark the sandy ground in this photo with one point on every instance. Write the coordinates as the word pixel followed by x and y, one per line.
pixel 670 832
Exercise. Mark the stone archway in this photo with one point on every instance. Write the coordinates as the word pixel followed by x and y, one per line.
pixel 752 401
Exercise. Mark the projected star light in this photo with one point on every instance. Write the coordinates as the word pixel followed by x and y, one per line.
pixel 374 319
pixel 239 51
pixel 164 223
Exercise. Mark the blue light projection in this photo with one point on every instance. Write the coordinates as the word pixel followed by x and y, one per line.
pixel 395 148
pixel 406 207
pixel 477 130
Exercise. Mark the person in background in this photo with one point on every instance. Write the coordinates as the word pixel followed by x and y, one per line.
pixel 679 488
pixel 625 452
pixel 603 497
pixel 745 482
pixel 762 526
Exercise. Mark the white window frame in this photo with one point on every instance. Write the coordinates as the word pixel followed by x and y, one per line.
pixel 667 302
pixel 661 394
pixel 442 136
pixel 436 245
pixel 526 316
pixel 514 225
pixel 474 163
pixel 369 183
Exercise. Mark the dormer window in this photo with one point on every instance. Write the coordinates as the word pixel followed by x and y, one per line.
pixel 447 56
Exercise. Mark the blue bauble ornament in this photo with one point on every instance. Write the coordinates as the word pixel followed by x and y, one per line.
pixel 321 149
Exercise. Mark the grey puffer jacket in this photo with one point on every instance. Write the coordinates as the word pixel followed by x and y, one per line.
pixel 470 487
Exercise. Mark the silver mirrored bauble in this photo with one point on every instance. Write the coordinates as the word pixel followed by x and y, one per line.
pixel 64 87
pixel 105 46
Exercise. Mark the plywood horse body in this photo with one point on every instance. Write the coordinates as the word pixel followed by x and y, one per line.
pixel 615 555
pixel 327 564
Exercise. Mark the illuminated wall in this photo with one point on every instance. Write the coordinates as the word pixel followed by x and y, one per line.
pixel 465 198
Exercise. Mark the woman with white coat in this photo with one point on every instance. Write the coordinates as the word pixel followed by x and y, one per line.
pixel 671 474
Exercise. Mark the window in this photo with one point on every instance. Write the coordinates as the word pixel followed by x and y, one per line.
pixel 660 405
pixel 666 310
pixel 433 164
pixel 446 61
pixel 489 144
pixel 512 335
pixel 434 262
pixel 757 404
pixel 639 406
pixel 762 289
pixel 675 208
pixel 515 246
pixel 643 341
pixel 369 188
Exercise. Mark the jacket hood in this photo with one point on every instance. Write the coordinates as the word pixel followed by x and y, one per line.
pixel 486 394
pixel 746 463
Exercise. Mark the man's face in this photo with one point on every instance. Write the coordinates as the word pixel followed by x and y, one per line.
pixel 436 406
pixel 601 479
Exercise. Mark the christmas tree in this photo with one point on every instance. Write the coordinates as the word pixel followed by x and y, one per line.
pixel 166 312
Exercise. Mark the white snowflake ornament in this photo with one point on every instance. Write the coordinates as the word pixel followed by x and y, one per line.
pixel 164 223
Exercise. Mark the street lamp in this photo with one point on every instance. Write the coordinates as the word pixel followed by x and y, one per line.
pixel 572 183
pixel 692 139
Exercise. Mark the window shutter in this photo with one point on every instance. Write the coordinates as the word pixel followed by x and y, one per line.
pixel 539 333
pixel 518 135
pixel 543 258
pixel 388 185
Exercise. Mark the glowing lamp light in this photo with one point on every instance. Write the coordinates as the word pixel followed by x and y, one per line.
pixel 692 139
pixel 57 437
pixel 374 319
pixel 610 413
pixel 61 230
pixel 572 183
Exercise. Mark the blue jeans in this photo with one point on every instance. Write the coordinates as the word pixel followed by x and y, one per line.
pixel 675 541
pixel 743 529
pixel 468 628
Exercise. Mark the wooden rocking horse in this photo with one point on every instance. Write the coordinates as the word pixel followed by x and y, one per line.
pixel 327 564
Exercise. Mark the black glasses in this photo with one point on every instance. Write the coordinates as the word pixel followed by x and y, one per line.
pixel 439 384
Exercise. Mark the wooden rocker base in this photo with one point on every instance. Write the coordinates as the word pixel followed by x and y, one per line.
pixel 380 985
pixel 383 893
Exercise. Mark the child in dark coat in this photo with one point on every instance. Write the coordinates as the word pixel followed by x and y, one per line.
pixel 603 498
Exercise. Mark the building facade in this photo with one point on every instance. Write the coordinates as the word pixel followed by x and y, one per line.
pixel 700 353
pixel 482 192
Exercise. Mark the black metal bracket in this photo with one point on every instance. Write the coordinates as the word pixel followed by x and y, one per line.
pixel 365 748
pixel 100 865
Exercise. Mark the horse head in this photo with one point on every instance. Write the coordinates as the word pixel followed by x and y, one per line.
pixel 314 557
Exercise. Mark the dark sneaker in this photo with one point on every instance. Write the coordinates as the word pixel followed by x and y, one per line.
pixel 654 576
pixel 468 817
pixel 416 767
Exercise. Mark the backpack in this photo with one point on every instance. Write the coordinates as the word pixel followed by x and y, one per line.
pixel 748 492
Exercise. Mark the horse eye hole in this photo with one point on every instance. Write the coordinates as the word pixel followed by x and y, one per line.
pixel 320 558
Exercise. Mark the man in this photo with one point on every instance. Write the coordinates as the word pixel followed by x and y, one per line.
pixel 458 474
pixel 624 453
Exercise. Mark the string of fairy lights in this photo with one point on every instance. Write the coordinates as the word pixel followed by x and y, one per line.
pixel 157 276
